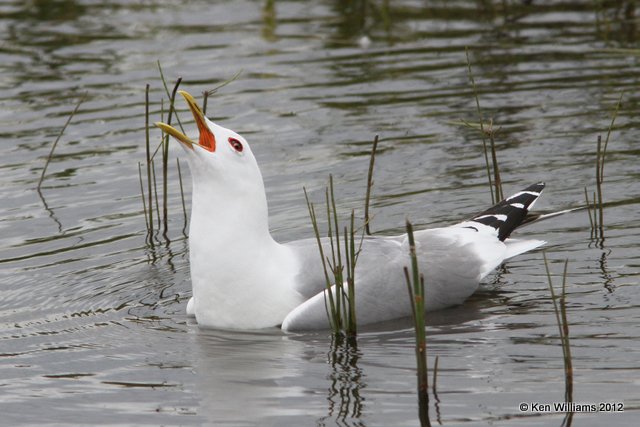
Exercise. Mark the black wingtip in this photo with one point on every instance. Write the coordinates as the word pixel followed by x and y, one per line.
pixel 507 215
pixel 537 187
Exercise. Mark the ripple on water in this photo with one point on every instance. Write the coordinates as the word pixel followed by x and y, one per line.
pixel 92 319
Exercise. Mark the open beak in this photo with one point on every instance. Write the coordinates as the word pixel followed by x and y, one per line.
pixel 207 139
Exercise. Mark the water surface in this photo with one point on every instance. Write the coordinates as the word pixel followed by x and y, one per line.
pixel 92 323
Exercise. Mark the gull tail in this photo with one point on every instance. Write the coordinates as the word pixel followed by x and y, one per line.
pixel 517 247
pixel 510 213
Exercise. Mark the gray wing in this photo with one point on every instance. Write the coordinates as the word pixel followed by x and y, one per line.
pixel 311 278
pixel 452 259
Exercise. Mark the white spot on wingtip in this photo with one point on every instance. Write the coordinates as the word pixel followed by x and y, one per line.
pixel 498 217
pixel 520 193
pixel 517 205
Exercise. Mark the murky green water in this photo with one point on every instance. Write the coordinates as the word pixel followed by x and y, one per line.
pixel 92 323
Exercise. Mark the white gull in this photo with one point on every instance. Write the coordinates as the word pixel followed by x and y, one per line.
pixel 243 279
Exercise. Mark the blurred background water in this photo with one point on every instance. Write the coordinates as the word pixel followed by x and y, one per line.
pixel 92 322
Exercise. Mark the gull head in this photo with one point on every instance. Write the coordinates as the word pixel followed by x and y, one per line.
pixel 228 196
pixel 221 162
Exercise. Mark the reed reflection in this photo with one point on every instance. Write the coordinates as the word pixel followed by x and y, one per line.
pixel 346 378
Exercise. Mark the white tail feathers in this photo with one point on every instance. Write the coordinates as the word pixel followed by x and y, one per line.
pixel 517 247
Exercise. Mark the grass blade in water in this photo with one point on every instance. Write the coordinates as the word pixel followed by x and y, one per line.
pixel 415 286
pixel 55 143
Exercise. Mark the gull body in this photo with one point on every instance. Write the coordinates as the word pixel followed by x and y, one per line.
pixel 243 279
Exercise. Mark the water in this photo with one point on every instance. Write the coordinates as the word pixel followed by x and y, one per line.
pixel 92 323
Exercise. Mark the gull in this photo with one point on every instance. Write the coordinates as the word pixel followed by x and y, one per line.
pixel 243 279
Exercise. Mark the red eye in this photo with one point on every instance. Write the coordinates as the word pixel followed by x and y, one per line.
pixel 237 145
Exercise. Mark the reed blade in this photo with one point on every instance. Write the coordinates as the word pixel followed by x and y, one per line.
pixel 206 94
pixel 184 207
pixel 148 153
pixel 372 160
pixel 415 286
pixel 481 119
pixel 560 311
pixel 328 293
pixel 55 143
pixel 144 203
pixel 606 141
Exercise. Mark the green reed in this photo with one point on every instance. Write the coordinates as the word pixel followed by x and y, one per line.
pixel 415 286
pixel 149 221
pixel 560 309
pixel 207 93
pixel 155 193
pixel 55 143
pixel 340 267
pixel 184 206
pixel 144 203
pixel 595 210
pixel 154 198
pixel 165 160
pixel 340 298
pixel 367 199
pixel 495 182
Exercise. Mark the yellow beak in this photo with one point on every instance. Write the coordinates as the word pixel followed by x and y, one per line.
pixel 207 140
